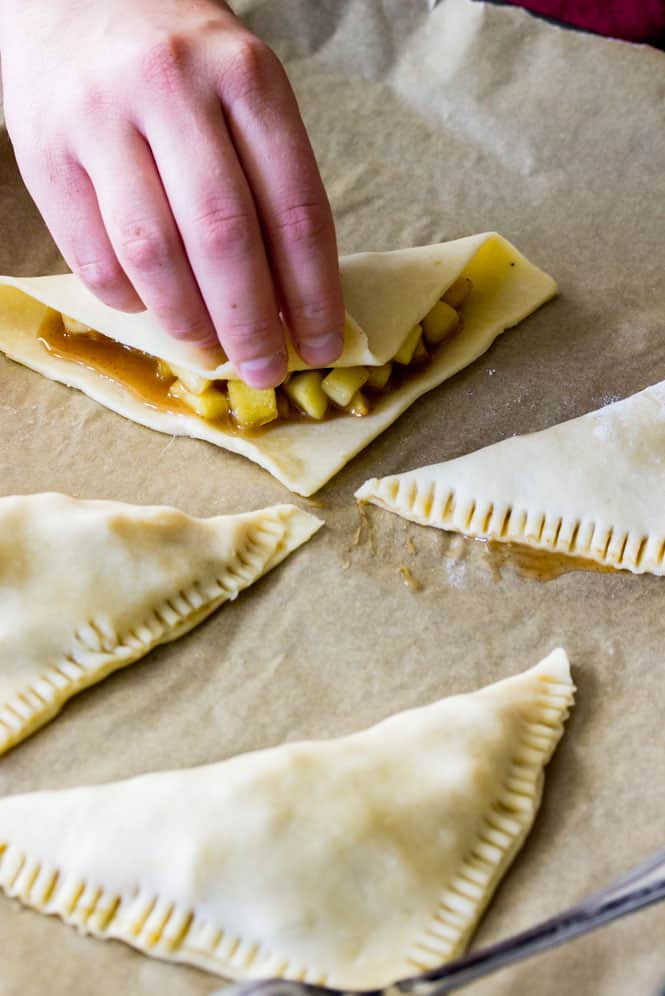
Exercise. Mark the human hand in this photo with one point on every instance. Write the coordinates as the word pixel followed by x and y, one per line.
pixel 163 145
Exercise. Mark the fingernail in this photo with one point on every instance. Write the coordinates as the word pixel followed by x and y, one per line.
pixel 321 349
pixel 264 371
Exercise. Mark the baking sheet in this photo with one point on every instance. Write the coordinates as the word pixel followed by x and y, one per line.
pixel 429 125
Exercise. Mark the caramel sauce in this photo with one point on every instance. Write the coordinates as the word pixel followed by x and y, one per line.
pixel 364 529
pixel 139 373
pixel 540 565
pixel 316 503
pixel 409 580
pixel 400 374
pixel 136 371
pixel 130 367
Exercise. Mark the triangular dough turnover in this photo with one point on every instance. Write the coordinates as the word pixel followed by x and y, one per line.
pixel 87 587
pixel 386 294
pixel 592 488
pixel 349 862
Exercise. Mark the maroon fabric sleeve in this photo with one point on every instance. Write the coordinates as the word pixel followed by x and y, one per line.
pixel 633 20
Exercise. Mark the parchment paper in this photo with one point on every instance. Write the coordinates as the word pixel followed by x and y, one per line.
pixel 429 124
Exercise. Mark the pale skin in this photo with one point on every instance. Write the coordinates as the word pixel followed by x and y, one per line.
pixel 163 145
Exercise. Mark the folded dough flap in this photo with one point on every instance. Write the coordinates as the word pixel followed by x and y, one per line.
pixel 591 487
pixel 251 867
pixel 87 587
pixel 386 294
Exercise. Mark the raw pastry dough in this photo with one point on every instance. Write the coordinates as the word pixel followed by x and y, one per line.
pixel 87 587
pixel 386 294
pixel 349 862
pixel 591 488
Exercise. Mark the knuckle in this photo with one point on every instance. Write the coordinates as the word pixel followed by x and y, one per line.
pixel 45 160
pixel 251 337
pixel 86 102
pixel 102 276
pixel 225 233
pixel 92 102
pixel 182 321
pixel 180 325
pixel 58 168
pixel 252 71
pixel 144 247
pixel 314 316
pixel 163 64
pixel 301 224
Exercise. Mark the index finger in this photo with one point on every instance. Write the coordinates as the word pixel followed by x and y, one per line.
pixel 216 218
pixel 276 155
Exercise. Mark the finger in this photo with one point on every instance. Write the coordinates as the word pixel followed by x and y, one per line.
pixel 215 213
pixel 145 237
pixel 268 133
pixel 66 198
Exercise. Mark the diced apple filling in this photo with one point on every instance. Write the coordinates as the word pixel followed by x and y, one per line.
pixel 342 383
pixel 359 405
pixel 74 327
pixel 210 404
pixel 439 323
pixel 404 354
pixel 458 292
pixel 306 392
pixel 194 382
pixel 378 377
pixel 250 407
pixel 312 393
